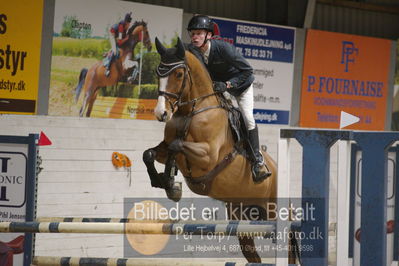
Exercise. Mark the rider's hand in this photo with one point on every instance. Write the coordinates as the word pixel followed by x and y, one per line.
pixel 219 86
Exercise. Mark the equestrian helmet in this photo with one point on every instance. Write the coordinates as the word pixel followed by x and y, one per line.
pixel 200 22
pixel 128 17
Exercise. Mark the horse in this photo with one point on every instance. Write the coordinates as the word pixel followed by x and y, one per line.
pixel 90 80
pixel 199 142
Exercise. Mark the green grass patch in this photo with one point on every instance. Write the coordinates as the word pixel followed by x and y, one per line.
pixel 88 48
pixel 69 78
pixel 149 91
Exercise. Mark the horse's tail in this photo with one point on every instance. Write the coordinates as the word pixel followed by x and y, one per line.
pixel 78 88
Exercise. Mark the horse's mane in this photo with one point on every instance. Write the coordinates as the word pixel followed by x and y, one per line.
pixel 136 24
pixel 191 58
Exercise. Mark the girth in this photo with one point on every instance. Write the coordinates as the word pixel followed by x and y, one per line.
pixel 202 185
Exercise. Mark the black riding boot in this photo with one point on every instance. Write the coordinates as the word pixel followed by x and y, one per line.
pixel 260 170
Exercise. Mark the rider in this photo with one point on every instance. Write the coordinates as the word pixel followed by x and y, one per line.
pixel 230 72
pixel 118 35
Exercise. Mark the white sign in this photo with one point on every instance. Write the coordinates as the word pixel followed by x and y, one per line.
pixel 269 49
pixel 12 179
pixel 13 191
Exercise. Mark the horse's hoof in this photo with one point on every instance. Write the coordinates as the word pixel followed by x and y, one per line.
pixel 175 193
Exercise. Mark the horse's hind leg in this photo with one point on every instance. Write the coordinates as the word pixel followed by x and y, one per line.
pixel 91 103
pixel 86 100
pixel 248 249
pixel 293 254
pixel 247 243
pixel 83 108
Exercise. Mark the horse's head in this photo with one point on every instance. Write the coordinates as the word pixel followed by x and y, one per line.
pixel 172 73
pixel 140 32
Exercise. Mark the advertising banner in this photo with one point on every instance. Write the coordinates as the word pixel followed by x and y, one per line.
pixel 344 73
pixel 270 51
pixel 205 228
pixel 20 42
pixel 103 57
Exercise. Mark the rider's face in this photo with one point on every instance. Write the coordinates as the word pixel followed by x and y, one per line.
pixel 198 37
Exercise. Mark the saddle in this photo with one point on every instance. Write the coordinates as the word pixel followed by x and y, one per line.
pixel 109 57
pixel 236 120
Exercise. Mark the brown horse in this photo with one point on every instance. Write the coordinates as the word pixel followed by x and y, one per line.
pixel 199 141
pixel 94 78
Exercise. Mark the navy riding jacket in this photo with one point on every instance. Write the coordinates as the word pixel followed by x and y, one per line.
pixel 225 63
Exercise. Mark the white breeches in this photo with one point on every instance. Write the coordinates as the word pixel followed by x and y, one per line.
pixel 246 104
pixel 112 41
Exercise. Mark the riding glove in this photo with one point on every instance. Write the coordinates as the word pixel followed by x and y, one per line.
pixel 219 86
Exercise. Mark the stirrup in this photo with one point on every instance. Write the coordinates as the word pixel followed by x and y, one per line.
pixel 268 172
pixel 258 176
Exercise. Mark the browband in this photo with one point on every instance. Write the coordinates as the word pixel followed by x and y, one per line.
pixel 164 70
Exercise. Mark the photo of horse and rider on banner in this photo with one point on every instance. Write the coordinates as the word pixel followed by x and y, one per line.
pixel 103 59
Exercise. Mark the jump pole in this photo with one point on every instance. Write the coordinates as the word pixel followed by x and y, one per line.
pixel 263 228
pixel 80 261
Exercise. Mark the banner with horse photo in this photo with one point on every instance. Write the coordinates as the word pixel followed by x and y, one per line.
pixel 103 59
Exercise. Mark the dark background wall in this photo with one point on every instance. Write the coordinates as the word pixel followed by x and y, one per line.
pixel 376 18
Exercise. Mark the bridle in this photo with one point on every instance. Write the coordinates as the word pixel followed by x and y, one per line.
pixel 164 70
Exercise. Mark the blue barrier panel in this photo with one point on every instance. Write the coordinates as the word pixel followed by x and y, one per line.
pixel 315 189
pixel 374 146
pixel 354 193
pixel 396 216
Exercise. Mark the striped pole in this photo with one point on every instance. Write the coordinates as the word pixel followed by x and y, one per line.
pixel 130 220
pixel 98 220
pixel 253 228
pixel 78 261
pixel 332 227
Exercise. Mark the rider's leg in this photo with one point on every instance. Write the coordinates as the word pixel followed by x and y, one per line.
pixel 110 56
pixel 246 103
pixel 113 42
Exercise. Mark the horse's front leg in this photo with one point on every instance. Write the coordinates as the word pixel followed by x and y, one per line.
pixel 160 154
pixel 197 153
